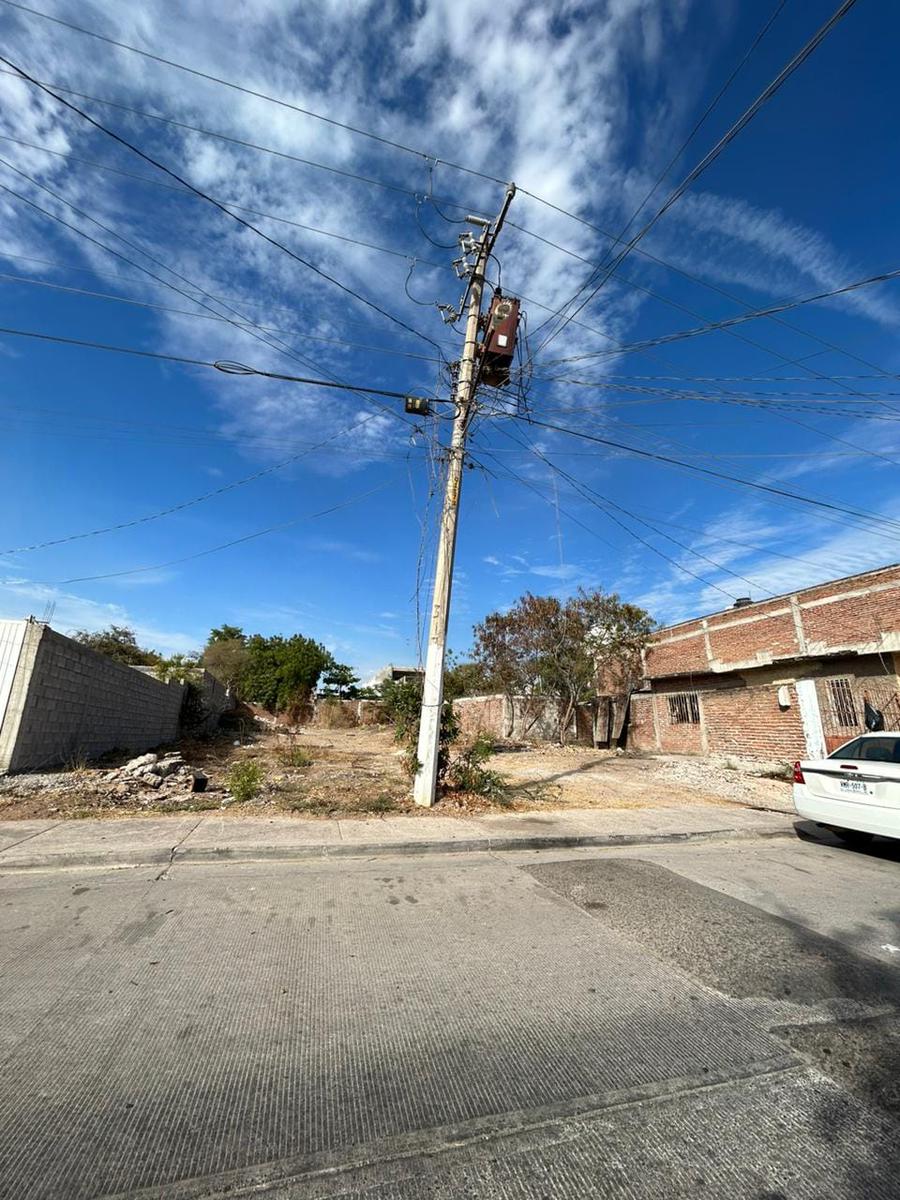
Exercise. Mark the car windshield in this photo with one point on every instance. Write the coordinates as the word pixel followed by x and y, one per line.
pixel 881 749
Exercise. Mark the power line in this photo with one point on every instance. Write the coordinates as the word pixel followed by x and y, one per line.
pixel 710 157
pixel 613 384
pixel 273 343
pixel 234 141
pixel 619 240
pixel 604 504
pixel 306 112
pixel 696 279
pixel 175 508
pixel 100 274
pixel 762 487
pixel 98 427
pixel 172 562
pixel 704 534
pixel 669 266
pixel 636 537
pixel 182 191
pixel 183 312
pixel 698 125
pixel 228 368
pixel 740 319
pixel 221 207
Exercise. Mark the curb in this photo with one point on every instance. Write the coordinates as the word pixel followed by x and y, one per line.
pixel 251 854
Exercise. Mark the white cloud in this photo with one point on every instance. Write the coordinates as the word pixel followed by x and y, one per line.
pixel 22 598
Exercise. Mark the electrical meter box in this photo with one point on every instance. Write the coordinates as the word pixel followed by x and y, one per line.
pixel 499 343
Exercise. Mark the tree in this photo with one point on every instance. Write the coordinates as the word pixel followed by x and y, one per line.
pixel 563 650
pixel 225 656
pixel 281 672
pixel 119 643
pixel 465 679
pixel 179 666
pixel 340 678
pixel 226 633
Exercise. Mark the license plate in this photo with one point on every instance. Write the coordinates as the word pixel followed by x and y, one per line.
pixel 854 785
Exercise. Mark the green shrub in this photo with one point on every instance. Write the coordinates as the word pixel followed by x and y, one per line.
pixel 245 780
pixel 467 772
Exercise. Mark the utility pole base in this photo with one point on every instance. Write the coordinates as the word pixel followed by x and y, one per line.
pixel 425 785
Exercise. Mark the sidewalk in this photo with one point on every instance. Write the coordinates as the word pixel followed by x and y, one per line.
pixel 204 838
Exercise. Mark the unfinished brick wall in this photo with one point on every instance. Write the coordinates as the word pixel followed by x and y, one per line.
pixel 736 660
pixel 850 619
pixel 748 722
pixel 481 714
pixel 533 719
pixel 757 637
pixel 69 701
pixel 684 652
pixel 641 728
pixel 741 715
pixel 860 612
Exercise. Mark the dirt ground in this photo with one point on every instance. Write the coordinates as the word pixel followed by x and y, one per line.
pixel 339 772
pixel 579 777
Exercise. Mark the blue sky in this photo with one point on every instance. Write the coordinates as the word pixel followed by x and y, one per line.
pixel 582 104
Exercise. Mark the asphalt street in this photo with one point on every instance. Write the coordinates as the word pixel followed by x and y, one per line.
pixel 702 1019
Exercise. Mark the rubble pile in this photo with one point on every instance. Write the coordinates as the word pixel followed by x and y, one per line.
pixel 151 776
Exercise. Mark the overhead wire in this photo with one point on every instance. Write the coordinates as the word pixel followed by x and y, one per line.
pixel 707 112
pixel 224 488
pixel 605 503
pixel 867 518
pixel 226 367
pixel 618 240
pixel 704 533
pixel 307 112
pixel 629 282
pixel 667 265
pixel 694 174
pixel 739 319
pixel 242 321
pixel 183 312
pixel 183 191
pixel 172 562
pixel 242 221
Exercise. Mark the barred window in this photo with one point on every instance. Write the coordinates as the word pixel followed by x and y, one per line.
pixel 843 706
pixel 684 708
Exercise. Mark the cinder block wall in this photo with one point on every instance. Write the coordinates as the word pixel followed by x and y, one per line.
pixel 71 701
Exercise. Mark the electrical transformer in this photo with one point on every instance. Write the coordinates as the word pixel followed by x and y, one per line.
pixel 499 343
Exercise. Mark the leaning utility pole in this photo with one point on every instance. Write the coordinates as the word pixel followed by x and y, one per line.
pixel 465 401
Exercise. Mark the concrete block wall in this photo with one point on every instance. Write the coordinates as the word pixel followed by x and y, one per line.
pixel 69 701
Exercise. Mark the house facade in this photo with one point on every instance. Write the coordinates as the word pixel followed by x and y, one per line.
pixel 778 679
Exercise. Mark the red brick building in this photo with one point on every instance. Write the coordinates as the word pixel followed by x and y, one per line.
pixel 776 679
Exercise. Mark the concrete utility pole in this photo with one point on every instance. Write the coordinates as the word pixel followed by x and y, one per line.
pixel 465 400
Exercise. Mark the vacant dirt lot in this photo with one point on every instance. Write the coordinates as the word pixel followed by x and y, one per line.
pixel 321 773
pixel 580 777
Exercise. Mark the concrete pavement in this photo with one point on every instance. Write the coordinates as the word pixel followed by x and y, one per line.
pixel 210 837
pixel 634 1021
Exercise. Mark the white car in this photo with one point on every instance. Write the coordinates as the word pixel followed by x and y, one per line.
pixel 855 791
